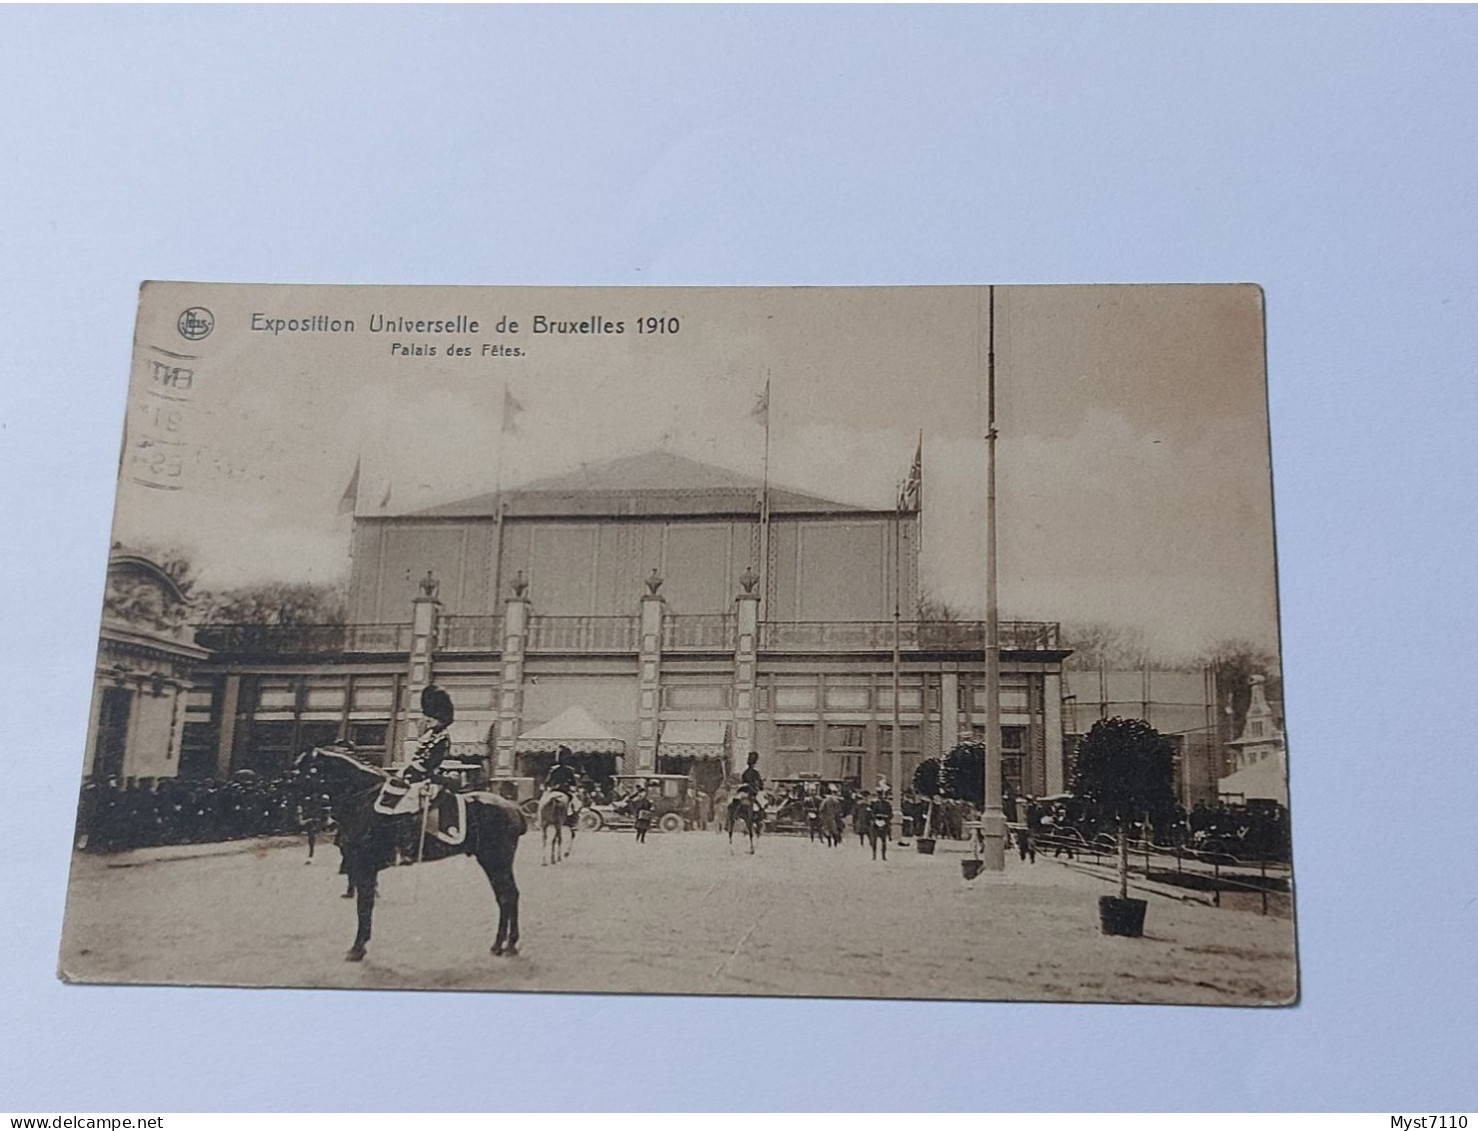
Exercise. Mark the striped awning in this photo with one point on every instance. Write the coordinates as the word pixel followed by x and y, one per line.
pixel 694 739
pixel 576 728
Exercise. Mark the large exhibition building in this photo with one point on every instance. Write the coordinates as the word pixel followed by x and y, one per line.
pixel 651 613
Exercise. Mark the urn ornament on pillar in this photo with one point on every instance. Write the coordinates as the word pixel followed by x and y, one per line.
pixel 519 584
pixel 749 579
pixel 654 582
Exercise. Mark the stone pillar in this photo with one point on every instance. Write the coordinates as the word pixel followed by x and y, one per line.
pixel 949 712
pixel 510 691
pixel 226 733
pixel 649 704
pixel 1052 724
pixel 425 620
pixel 746 668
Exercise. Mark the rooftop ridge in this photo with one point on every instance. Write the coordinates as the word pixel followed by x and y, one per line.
pixel 650 476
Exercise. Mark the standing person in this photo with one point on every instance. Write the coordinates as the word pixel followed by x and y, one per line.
pixel 880 823
pixel 720 804
pixel 641 809
pixel 313 817
pixel 861 806
pixel 1026 844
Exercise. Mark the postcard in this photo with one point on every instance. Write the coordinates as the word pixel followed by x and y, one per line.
pixel 877 642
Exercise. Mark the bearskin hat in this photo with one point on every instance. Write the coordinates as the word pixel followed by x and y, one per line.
pixel 437 704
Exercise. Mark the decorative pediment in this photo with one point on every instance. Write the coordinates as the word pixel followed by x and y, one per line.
pixel 143 597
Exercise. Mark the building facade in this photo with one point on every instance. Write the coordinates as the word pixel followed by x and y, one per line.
pixel 145 668
pixel 1182 705
pixel 1259 761
pixel 686 614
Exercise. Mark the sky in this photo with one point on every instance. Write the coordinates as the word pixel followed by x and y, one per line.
pixel 1132 461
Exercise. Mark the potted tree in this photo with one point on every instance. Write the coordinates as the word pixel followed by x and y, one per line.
pixel 1125 770
pixel 926 784
pixel 962 777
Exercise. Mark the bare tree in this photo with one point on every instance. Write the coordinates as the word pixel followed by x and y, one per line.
pixel 1233 664
pixel 1102 645
pixel 278 603
pixel 934 608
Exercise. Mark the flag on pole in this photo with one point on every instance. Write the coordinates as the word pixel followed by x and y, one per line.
pixel 512 410
pixel 350 499
pixel 911 494
pixel 760 413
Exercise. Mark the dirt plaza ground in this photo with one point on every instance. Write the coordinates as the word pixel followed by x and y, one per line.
pixel 682 913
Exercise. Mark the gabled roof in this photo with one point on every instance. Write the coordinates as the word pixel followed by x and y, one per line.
pixel 652 483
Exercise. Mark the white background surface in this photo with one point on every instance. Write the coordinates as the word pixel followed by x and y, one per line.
pixel 1326 153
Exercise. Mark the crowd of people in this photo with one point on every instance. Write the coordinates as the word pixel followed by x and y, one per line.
pixel 1255 831
pixel 115 817
pixel 789 805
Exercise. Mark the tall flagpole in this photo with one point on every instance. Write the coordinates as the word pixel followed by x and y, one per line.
pixel 897 774
pixel 497 594
pixel 993 820
pixel 507 427
pixel 765 513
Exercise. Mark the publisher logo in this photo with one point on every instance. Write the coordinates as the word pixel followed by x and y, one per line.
pixel 196 323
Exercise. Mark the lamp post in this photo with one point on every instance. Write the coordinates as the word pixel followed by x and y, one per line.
pixel 993 820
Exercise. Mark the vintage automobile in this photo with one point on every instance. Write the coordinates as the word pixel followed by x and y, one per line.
pixel 672 797
pixel 468 773
pixel 787 809
pixel 524 792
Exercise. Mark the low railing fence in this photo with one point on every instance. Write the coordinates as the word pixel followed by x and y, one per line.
pixel 910 635
pixel 680 632
pixel 1179 866
pixel 583 634
pixel 690 632
pixel 302 639
pixel 469 634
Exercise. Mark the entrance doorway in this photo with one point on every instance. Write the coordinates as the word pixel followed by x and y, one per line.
pixel 600 768
pixel 707 773
pixel 112 742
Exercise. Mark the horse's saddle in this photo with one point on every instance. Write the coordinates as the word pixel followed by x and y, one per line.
pixel 445 810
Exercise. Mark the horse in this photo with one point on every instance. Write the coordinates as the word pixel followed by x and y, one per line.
pixel 830 815
pixel 555 811
pixel 744 805
pixel 368 839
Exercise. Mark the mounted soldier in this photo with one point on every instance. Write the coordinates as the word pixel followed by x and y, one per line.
pixel 436 799
pixel 752 783
pixel 748 801
pixel 563 777
pixel 558 807
pixel 436 742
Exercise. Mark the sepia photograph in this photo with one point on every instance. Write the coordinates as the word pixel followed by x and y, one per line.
pixel 835 642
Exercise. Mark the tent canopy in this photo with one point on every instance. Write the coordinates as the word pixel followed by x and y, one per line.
pixel 574 727
pixel 1264 780
pixel 693 739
